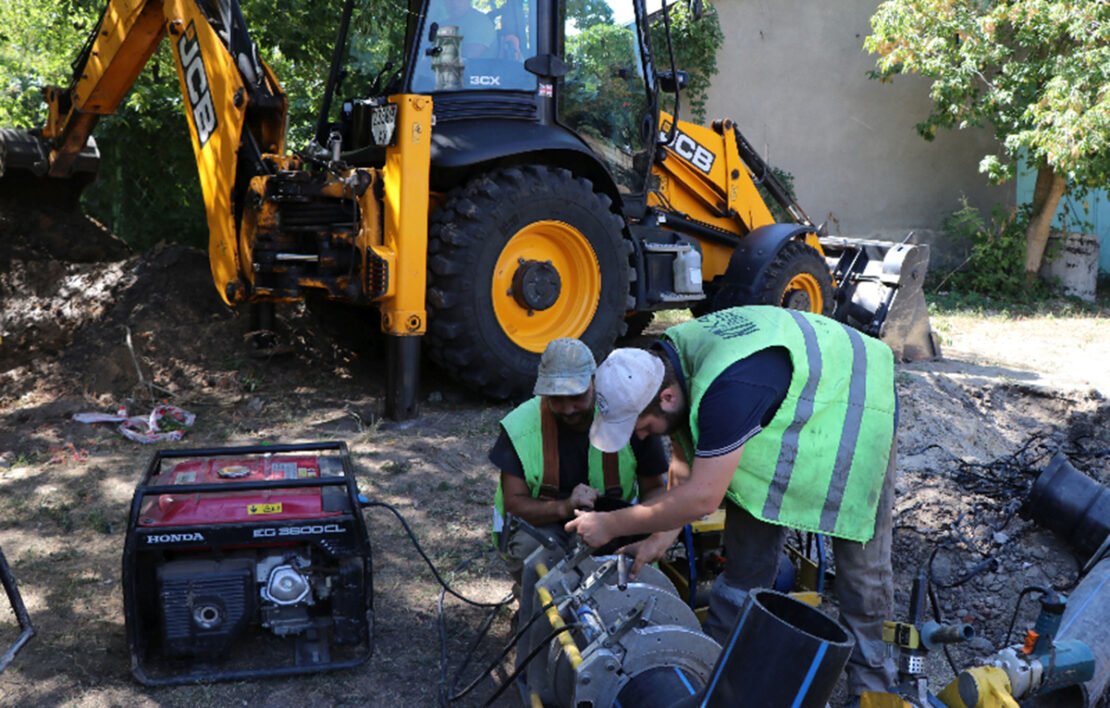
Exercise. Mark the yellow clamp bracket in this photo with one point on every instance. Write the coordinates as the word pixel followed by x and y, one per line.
pixel 556 620
pixel 712 522
pixel 979 687
pixel 902 635
pixel 878 699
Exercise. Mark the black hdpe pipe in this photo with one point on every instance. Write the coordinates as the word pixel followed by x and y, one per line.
pixel 781 652
pixel 1071 504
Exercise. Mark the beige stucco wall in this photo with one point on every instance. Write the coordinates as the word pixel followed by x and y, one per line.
pixel 793 73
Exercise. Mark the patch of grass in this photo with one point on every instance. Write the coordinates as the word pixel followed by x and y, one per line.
pixel 24 459
pixel 98 521
pixel 970 304
pixel 232 363
pixel 249 382
pixel 396 466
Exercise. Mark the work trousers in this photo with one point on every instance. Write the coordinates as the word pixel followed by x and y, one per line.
pixel 864 584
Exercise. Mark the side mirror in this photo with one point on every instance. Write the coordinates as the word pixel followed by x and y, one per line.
pixel 668 83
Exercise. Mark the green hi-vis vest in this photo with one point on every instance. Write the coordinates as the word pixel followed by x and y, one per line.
pixel 820 463
pixel 532 429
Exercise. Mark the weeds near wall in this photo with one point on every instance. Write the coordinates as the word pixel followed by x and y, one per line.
pixel 995 265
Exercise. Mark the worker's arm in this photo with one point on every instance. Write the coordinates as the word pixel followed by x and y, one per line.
pixel 520 503
pixel 654 546
pixel 699 496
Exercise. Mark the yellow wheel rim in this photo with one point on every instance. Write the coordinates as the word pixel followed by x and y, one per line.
pixel 807 285
pixel 557 246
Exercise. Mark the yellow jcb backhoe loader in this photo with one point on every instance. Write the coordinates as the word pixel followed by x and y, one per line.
pixel 509 178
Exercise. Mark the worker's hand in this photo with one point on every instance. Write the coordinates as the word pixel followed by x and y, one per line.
pixel 592 526
pixel 583 497
pixel 649 550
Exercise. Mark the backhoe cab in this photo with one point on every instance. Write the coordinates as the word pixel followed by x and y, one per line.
pixel 488 177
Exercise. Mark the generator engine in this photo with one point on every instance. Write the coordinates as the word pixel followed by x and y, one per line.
pixel 247 562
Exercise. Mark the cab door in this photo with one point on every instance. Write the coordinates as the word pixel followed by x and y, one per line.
pixel 607 96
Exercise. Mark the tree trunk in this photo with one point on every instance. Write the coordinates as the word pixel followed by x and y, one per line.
pixel 1046 197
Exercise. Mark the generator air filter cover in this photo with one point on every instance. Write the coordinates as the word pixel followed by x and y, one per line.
pixel 246 562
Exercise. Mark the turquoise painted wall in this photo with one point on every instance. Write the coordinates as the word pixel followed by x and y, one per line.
pixel 1071 213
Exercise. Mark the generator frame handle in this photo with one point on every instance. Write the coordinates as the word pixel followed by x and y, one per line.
pixel 20 610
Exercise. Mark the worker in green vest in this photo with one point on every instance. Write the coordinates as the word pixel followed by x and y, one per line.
pixel 548 468
pixel 787 417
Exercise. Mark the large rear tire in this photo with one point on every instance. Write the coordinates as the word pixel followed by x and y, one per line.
pixel 517 258
pixel 797 279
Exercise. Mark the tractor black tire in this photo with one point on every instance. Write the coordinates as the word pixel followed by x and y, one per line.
pixel 636 323
pixel 797 279
pixel 517 258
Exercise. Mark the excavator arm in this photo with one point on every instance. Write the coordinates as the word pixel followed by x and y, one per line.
pixel 279 225
pixel 235 107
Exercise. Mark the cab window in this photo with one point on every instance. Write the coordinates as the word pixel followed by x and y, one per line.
pixel 476 45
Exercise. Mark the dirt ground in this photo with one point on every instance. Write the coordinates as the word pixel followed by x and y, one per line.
pixel 87 326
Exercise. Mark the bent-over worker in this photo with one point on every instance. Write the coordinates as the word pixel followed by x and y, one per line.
pixel 789 418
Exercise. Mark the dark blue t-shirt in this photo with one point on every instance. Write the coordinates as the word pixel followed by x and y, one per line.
pixel 739 402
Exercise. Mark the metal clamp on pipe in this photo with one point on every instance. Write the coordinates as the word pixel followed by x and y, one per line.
pixel 636 642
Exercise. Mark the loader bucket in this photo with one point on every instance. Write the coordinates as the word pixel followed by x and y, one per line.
pixel 24 168
pixel 879 291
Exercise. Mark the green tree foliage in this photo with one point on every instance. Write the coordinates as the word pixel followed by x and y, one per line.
pixel 1036 71
pixel 38 40
pixel 587 13
pixel 695 44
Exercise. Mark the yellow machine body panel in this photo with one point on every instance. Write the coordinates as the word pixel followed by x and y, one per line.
pixel 703 176
pixel 405 240
pixel 215 103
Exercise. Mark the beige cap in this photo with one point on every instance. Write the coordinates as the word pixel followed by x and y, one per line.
pixel 566 368
pixel 625 384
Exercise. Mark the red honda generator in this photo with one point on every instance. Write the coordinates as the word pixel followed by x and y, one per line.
pixel 247 562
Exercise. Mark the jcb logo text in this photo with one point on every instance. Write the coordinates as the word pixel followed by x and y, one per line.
pixel 196 84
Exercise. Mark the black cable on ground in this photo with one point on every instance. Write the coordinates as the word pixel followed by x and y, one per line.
pixel 500 657
pixel 445 697
pixel 1017 606
pixel 988 564
pixel 541 646
pixel 420 550
pixel 939 617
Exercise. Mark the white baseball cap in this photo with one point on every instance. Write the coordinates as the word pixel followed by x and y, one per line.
pixel 625 384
